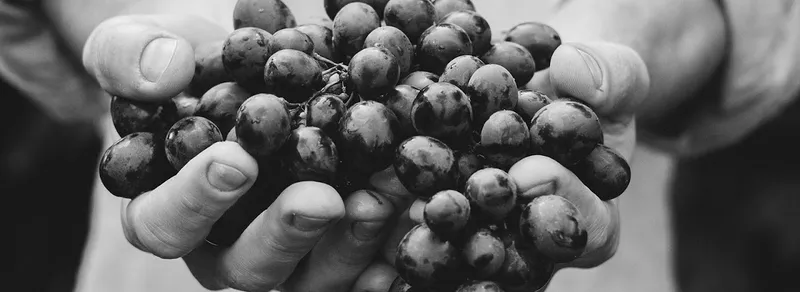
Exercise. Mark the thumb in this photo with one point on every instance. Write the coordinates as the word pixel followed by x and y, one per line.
pixel 146 57
pixel 612 78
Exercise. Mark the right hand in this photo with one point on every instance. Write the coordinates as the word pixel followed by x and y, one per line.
pixel 172 221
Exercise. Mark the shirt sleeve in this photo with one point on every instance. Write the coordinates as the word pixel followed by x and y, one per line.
pixel 758 80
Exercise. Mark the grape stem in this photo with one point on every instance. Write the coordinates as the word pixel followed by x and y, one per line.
pixel 330 63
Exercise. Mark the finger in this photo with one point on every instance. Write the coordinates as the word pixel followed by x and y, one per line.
pixel 174 218
pixel 147 58
pixel 540 175
pixel 377 277
pixel 344 252
pixel 401 226
pixel 611 78
pixel 387 183
pixel 272 246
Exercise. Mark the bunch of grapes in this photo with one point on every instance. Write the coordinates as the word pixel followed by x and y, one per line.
pixel 417 88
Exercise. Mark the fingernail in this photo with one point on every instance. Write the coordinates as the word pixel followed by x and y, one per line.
pixel 365 231
pixel 528 195
pixel 156 58
pixel 304 223
pixel 225 178
pixel 592 66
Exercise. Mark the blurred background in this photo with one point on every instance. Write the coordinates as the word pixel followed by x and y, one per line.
pixel 642 263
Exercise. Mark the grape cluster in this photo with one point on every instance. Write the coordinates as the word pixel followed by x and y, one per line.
pixel 413 87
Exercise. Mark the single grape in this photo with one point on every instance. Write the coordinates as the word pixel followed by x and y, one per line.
pixel 395 41
pixel 605 172
pixel 133 165
pixel 368 136
pixel 491 88
pixel 373 71
pixel 351 25
pixel 400 285
pixel 539 39
pixel 505 139
pixel 513 57
pixel 446 213
pixel 411 16
pixel 324 112
pixel 208 68
pixel 420 79
pixel 293 75
pixel 442 111
pixel 530 102
pixel 311 155
pixel 130 116
pixel 440 44
pixel 322 37
pixel 553 225
pixel 493 191
pixel 185 105
pixel 244 55
pixel 220 103
pixel 333 6
pixel 459 70
pixel 565 131
pixel 524 269
pixel 425 166
pixel 484 286
pixel 444 7
pixel 188 137
pixel 484 254
pixel 425 260
pixel 263 124
pixel 400 100
pixel 468 163
pixel 292 38
pixel 269 15
pixel 476 27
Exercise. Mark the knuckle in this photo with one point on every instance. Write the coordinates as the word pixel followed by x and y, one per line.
pixel 158 241
pixel 244 280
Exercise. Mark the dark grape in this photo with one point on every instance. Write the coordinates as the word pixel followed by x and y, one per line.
pixel 484 253
pixel 244 55
pixel 368 136
pixel 442 111
pixel 411 16
pixel 539 39
pixel 208 68
pixel 565 131
pixel 292 38
pixel 493 191
pixel 269 15
pixel 293 75
pixel 188 137
pixel 524 270
pixel 420 79
pixel 485 286
pixel 440 44
pixel 185 105
pixel 553 225
pixel 424 260
pixel 131 116
pixel 400 285
pixel 513 57
pixel 530 102
pixel 322 37
pixel 505 139
pixel 220 103
pixel 446 213
pixel 351 26
pixel 373 71
pixel 395 41
pixel 263 124
pixel 311 155
pixel 400 100
pixel 459 70
pixel 468 163
pixel 491 88
pixel 425 166
pixel 333 6
pixel 476 27
pixel 324 112
pixel 444 7
pixel 605 172
pixel 133 165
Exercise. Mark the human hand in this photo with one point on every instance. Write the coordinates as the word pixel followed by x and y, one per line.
pixel 299 246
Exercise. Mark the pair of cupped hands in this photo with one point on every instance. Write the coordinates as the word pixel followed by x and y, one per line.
pixel 351 241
